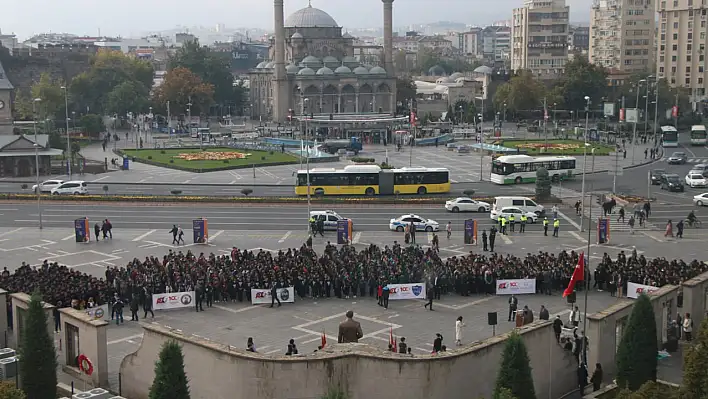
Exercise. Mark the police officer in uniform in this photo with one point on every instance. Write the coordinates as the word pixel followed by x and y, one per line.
pixel 512 221
pixel 320 226
pixel 545 226
pixel 556 226
pixel 313 226
pixel 522 228
pixel 484 240
pixel 492 237
pixel 502 221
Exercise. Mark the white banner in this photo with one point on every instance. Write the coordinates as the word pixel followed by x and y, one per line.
pixel 173 300
pixel 259 296
pixel 406 291
pixel 634 289
pixel 99 313
pixel 519 286
pixel 632 115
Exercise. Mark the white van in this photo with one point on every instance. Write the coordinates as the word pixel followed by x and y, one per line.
pixel 75 187
pixel 526 204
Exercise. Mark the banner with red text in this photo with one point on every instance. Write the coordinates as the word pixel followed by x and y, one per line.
pixel 259 296
pixel 634 289
pixel 173 300
pixel 518 286
pixel 406 291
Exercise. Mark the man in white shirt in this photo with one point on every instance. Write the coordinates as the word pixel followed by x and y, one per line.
pixel 574 317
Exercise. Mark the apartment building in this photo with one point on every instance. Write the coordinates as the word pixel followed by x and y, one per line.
pixel 579 38
pixel 682 44
pixel 539 37
pixel 622 35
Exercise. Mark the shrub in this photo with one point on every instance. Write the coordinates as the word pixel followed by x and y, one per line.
pixel 263 158
pixel 636 354
pixel 270 152
pixel 149 156
pixel 543 184
pixel 468 192
pixel 162 152
pixel 695 365
pixel 170 379
pixel 9 391
pixel 24 186
pixel 335 393
pixel 172 161
pixel 363 160
pixel 226 161
pixel 246 191
pixel 176 192
pixel 38 365
pixel 515 371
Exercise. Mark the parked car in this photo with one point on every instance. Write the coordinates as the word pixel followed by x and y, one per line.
pixel 677 158
pixel 420 223
pixel 464 204
pixel 655 176
pixel 695 179
pixel 75 187
pixel 671 182
pixel 46 186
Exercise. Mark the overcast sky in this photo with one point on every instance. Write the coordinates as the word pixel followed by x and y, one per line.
pixel 133 17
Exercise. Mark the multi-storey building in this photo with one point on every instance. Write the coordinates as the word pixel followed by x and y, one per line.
pixel 622 35
pixel 539 35
pixel 496 43
pixel 682 45
pixel 579 38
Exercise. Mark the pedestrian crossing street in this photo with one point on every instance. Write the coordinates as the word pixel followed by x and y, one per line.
pixel 690 160
pixel 616 225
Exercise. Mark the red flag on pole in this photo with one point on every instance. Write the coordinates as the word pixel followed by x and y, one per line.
pixel 392 341
pixel 324 339
pixel 578 275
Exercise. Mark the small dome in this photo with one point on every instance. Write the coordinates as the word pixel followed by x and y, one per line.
pixel 456 76
pixel 306 72
pixel 270 65
pixel 296 35
pixel 330 62
pixel 342 70
pixel 350 61
pixel 483 70
pixel 325 71
pixel 436 70
pixel 377 70
pixel 443 80
pixel 292 69
pixel 311 62
pixel 360 70
pixel 261 65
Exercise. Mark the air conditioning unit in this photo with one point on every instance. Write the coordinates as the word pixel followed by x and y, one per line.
pixel 8 368
pixel 96 393
pixel 82 395
pixel 7 352
pixel 116 397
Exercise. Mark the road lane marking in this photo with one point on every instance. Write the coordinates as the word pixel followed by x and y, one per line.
pixel 124 339
pixel 576 235
pixel 506 239
pixel 13 231
pixel 569 220
pixel 140 237
pixel 69 237
pixel 236 311
pixel 357 237
pixel 285 237
pixel 218 233
pixel 99 179
pixel 273 351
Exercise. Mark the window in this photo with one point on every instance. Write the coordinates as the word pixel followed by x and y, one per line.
pixel 675 36
pixel 675 25
pixel 688 69
pixel 690 36
pixel 674 47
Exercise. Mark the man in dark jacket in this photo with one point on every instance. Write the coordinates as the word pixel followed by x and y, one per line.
pixel 349 330
pixel 274 294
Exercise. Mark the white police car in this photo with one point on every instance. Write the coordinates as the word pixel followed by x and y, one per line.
pixel 420 223
pixel 329 217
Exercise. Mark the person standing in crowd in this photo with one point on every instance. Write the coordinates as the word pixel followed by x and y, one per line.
pixel 484 241
pixel 582 377
pixel 574 317
pixel 557 327
pixel 458 331
pixel 180 235
pixel 199 297
pixel 578 205
pixel 492 237
pixel 543 313
pixel 554 211
pixel 596 378
pixel 386 294
pixel 528 315
pixel 209 293
pixel 118 309
pixel 97 231
pixel 545 226
pixel 679 229
pixel 522 226
pixel 57 317
pixel 413 228
pixel 448 228
pixel 513 304
pixel 250 346
pixel 688 327
pixel 147 304
pixel 556 227
pixel 669 232
pixel 349 330
pixel 134 308
pixel 292 348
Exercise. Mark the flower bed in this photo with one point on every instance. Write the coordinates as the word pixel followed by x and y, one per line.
pixel 632 199
pixel 555 147
pixel 211 155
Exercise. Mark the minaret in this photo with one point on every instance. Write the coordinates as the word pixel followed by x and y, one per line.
pixel 280 92
pixel 388 36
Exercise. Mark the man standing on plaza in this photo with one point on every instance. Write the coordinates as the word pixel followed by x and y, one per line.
pixel 513 303
pixel 274 294
pixel 556 226
pixel 349 330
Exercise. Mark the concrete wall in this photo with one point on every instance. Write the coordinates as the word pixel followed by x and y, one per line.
pixel 605 328
pixel 364 371
pixel 4 328
pixel 20 303
pixel 695 292
pixel 92 343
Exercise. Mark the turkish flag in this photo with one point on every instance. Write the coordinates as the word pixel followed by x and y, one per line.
pixel 324 339
pixel 578 275
pixel 392 341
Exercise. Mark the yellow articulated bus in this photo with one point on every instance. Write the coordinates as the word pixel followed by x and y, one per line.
pixel 372 180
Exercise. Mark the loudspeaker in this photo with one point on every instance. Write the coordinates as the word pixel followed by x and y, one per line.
pixel 571 298
pixel 492 318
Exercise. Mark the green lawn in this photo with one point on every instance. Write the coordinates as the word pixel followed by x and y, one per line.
pixel 163 158
pixel 556 147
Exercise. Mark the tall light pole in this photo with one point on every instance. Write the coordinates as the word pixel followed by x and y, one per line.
pixel 585 161
pixel 656 107
pixel 307 166
pixel 68 136
pixel 36 160
pixel 646 108
pixel 636 120
pixel 189 123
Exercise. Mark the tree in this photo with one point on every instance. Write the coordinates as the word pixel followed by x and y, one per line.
pixel 521 93
pixel 212 68
pixel 51 94
pixel 9 391
pixel 400 61
pixel 580 79
pixel 181 87
pixel 405 90
pixel 695 367
pixel 128 96
pixel 23 106
pixel 636 354
pixel 38 359
pixel 335 393
pixel 170 379
pixel 543 185
pixel 650 390
pixel 515 371
pixel 93 89
pixel 92 124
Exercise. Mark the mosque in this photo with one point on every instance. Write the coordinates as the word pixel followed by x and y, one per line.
pixel 312 70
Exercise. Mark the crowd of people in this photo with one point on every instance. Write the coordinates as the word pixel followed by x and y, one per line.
pixel 340 272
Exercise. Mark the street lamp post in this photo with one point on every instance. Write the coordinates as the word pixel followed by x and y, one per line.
pixel 646 106
pixel 636 120
pixel 656 108
pixel 307 167
pixel 504 117
pixel 585 160
pixel 36 160
pixel 68 136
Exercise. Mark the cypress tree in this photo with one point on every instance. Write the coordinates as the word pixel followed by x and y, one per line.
pixel 38 358
pixel 636 355
pixel 170 379
pixel 514 374
pixel 695 366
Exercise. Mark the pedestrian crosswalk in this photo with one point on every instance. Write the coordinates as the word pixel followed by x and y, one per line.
pixel 691 160
pixel 619 225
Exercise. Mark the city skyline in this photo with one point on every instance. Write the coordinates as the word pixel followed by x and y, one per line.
pixel 82 17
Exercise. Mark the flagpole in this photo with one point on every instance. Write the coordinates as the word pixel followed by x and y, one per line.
pixel 587 286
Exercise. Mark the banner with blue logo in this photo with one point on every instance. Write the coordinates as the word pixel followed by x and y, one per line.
pixel 200 229
pixel 82 230
pixel 406 291
pixel 344 231
pixel 603 230
pixel 470 232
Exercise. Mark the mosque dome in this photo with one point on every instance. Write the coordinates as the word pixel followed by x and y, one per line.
pixel 292 69
pixel 436 70
pixel 270 65
pixel 306 72
pixel 296 35
pixel 456 76
pixel 361 70
pixel 311 62
pixel 483 69
pixel 342 70
pixel 330 62
pixel 350 62
pixel 325 71
pixel 261 65
pixel 377 70
pixel 310 17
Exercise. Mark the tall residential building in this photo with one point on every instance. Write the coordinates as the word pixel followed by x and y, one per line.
pixel 680 59
pixel 539 37
pixel 579 38
pixel 622 35
pixel 496 42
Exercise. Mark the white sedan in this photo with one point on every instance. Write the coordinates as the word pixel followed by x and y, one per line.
pixel 510 210
pixel 464 204
pixel 701 199
pixel 47 186
pixel 420 223
pixel 696 180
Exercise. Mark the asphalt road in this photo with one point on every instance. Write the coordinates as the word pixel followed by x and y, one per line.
pixel 220 217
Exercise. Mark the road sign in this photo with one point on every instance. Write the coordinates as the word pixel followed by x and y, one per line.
pixel 632 115
pixel 609 109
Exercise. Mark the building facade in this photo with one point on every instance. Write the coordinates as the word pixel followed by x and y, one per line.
pixel 6 89
pixel 682 45
pixel 622 35
pixel 539 34
pixel 579 38
pixel 313 70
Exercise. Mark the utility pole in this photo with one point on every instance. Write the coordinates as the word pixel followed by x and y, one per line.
pixel 676 105
pixel 545 119
pixel 169 120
